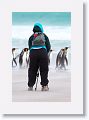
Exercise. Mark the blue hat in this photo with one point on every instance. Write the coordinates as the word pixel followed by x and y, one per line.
pixel 39 25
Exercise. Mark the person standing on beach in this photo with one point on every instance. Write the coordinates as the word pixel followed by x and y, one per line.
pixel 39 47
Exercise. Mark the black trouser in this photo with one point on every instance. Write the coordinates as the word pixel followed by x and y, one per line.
pixel 38 59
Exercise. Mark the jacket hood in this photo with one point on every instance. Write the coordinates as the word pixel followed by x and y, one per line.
pixel 40 27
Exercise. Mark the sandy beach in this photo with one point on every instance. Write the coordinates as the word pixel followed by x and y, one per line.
pixel 59 87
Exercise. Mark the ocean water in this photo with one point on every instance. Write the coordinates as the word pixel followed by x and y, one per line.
pixel 59 37
pixel 56 25
pixel 56 45
pixel 46 18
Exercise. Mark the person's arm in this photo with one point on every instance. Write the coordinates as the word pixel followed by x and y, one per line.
pixel 47 43
pixel 30 42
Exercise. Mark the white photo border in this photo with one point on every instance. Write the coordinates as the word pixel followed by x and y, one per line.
pixel 76 104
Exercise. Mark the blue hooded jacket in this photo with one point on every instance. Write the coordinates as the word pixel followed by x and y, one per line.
pixel 40 26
